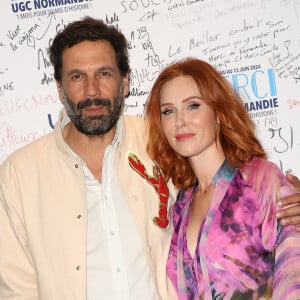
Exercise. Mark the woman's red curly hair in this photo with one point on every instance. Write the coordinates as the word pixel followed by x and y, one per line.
pixel 237 131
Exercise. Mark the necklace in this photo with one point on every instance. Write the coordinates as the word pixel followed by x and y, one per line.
pixel 205 190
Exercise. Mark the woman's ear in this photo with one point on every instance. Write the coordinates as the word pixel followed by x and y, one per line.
pixel 217 128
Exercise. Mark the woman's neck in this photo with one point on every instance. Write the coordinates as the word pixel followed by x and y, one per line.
pixel 205 167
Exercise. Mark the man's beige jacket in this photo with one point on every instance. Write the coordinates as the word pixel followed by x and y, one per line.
pixel 43 218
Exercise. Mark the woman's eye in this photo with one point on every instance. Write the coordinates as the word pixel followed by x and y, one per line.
pixel 166 111
pixel 193 106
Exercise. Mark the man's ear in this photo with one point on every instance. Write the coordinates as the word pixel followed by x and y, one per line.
pixel 60 92
pixel 126 87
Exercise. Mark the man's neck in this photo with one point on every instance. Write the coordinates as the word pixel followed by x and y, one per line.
pixel 89 147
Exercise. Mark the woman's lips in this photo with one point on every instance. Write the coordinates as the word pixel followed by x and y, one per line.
pixel 183 136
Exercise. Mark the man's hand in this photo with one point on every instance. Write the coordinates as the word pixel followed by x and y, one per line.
pixel 291 215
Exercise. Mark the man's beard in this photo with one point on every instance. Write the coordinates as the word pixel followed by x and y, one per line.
pixel 95 125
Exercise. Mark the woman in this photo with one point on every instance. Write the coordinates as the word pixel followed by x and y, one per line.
pixel 227 243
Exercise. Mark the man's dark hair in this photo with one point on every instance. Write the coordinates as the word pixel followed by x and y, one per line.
pixel 88 29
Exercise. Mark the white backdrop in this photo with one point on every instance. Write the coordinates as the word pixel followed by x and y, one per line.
pixel 255 44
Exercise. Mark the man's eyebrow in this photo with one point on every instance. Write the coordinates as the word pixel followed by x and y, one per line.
pixel 73 71
pixel 100 69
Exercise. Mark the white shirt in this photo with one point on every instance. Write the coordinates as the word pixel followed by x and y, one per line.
pixel 117 266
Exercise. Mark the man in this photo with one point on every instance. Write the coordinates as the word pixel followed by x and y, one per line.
pixel 83 210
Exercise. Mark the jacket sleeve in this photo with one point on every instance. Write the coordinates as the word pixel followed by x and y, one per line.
pixel 17 273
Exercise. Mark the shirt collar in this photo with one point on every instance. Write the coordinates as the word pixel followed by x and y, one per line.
pixel 225 171
pixel 115 142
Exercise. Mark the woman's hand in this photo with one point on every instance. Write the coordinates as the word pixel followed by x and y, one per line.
pixel 291 215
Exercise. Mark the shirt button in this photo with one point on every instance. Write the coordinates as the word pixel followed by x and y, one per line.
pixel 79 216
pixel 112 233
pixel 76 166
pixel 77 268
pixel 118 270
pixel 135 199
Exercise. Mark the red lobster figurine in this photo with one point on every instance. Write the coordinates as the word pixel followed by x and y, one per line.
pixel 159 184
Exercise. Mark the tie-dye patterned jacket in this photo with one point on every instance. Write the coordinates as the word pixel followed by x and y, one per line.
pixel 243 252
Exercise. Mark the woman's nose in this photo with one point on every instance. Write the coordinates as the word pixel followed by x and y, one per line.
pixel 180 120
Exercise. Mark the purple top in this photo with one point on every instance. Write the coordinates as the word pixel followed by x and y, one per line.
pixel 242 251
